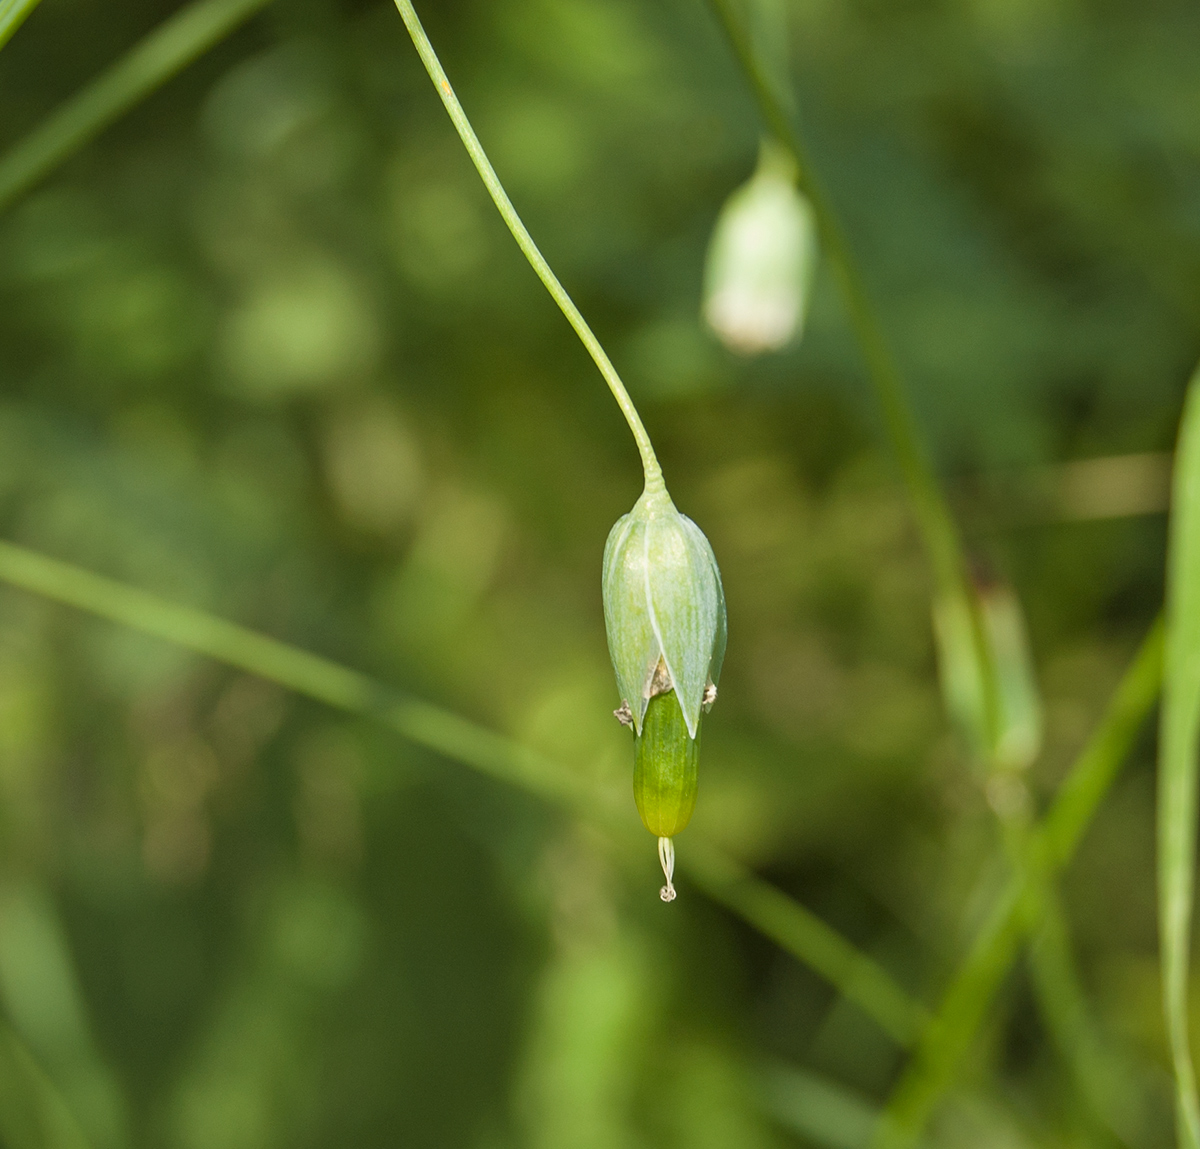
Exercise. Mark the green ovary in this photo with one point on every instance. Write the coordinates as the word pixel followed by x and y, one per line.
pixel 664 775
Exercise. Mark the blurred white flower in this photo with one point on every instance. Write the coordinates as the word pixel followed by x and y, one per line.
pixel 761 260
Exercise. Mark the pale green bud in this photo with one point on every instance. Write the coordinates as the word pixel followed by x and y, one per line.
pixel 664 609
pixel 761 260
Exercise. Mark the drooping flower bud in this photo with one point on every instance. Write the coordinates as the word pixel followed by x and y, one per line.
pixel 761 260
pixel 664 610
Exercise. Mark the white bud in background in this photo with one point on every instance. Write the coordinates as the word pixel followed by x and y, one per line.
pixel 761 260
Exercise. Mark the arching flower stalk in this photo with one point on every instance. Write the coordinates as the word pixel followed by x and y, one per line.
pixel 663 603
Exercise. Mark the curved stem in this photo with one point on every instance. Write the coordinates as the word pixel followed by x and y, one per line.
pixel 653 472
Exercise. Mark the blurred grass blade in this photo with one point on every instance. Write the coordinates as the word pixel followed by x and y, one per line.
pixel 33 1114
pixel 1052 844
pixel 308 674
pixel 1110 1087
pixel 861 979
pixel 803 935
pixel 1093 772
pixel 949 1034
pixel 150 63
pixel 821 1111
pixel 44 1000
pixel 12 16
pixel 1179 736
pixel 946 1037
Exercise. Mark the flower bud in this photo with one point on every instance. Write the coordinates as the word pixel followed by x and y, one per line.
pixel 761 260
pixel 664 609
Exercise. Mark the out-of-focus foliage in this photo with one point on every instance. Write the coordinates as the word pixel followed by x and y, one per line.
pixel 265 348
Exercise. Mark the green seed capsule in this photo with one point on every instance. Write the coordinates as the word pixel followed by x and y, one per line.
pixel 664 773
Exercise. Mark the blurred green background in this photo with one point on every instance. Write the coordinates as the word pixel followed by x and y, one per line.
pixel 266 349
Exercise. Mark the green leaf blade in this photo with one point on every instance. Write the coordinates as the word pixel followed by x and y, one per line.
pixel 13 14
pixel 1177 768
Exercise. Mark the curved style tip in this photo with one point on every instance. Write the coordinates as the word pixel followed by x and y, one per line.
pixel 666 855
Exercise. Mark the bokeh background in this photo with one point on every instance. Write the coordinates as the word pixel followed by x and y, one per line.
pixel 266 349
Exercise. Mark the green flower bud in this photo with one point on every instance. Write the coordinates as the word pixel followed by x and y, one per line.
pixel 664 609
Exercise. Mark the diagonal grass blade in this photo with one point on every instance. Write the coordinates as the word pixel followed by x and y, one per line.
pixel 33 1113
pixel 12 16
pixel 150 63
pixel 775 915
pixel 819 1110
pixel 1111 1086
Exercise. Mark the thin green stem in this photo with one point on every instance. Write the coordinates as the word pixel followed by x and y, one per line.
pixel 150 63
pixel 653 472
pixel 1094 771
pixel 1108 1086
pixel 933 515
pixel 799 932
pixel 12 16
pixel 1052 844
